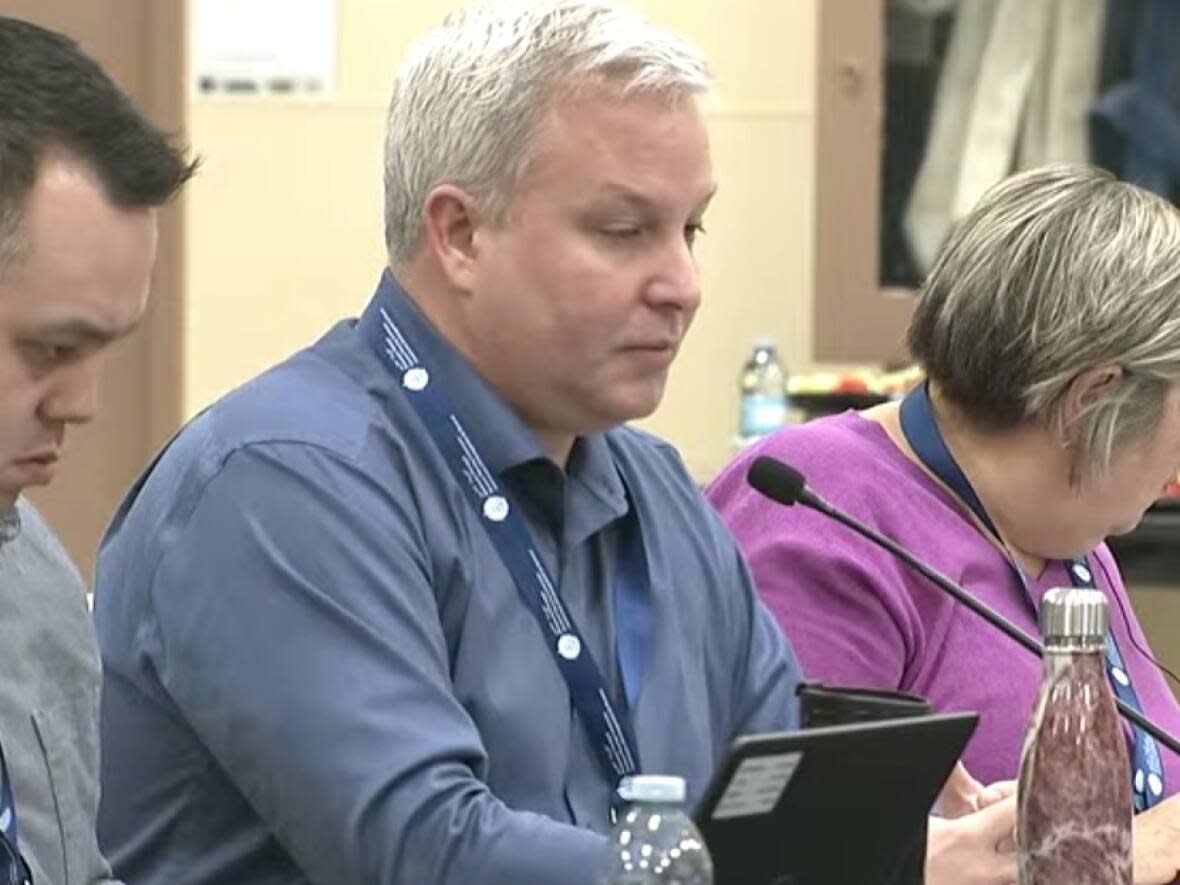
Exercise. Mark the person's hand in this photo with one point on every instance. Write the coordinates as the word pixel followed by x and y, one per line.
pixel 1157 843
pixel 962 794
pixel 978 848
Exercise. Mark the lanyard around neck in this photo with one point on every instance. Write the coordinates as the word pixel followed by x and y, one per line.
pixel 8 824
pixel 921 431
pixel 15 871
pixel 608 726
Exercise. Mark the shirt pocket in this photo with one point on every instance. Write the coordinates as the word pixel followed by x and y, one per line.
pixel 66 750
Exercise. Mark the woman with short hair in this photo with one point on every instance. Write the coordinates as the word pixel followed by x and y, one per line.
pixel 1049 332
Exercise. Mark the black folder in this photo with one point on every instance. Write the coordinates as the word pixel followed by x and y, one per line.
pixel 837 805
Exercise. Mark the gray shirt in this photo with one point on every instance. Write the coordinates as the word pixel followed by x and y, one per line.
pixel 319 670
pixel 49 703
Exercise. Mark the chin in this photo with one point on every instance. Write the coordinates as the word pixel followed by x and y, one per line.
pixel 636 413
pixel 1125 528
pixel 621 410
pixel 644 401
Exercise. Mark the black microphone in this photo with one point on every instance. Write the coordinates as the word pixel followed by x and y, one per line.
pixel 784 484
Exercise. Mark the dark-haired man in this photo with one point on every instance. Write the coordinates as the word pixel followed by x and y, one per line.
pixel 81 172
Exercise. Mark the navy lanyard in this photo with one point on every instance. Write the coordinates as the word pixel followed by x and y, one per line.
pixel 7 803
pixel 14 870
pixel 922 433
pixel 609 727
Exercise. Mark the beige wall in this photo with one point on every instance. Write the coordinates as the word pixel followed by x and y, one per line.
pixel 284 232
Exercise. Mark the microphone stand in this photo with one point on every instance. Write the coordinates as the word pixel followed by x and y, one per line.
pixel 992 617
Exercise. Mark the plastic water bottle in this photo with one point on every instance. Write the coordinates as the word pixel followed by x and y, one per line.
pixel 763 393
pixel 654 841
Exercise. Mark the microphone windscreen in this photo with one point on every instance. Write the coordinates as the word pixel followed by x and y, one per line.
pixel 776 480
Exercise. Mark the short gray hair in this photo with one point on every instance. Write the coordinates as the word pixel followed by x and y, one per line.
pixel 1058 270
pixel 470 94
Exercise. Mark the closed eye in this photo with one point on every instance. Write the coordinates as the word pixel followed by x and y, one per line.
pixel 628 232
pixel 692 231
pixel 48 353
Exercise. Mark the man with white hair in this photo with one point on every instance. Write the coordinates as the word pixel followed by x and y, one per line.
pixel 406 607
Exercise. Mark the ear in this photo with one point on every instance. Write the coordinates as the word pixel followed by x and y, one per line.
pixel 450 219
pixel 1083 392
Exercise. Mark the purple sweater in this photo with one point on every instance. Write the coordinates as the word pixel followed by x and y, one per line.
pixel 857 616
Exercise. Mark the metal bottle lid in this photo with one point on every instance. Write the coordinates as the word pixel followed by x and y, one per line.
pixel 1074 613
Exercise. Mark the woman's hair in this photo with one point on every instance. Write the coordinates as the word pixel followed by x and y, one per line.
pixel 1058 270
pixel 468 99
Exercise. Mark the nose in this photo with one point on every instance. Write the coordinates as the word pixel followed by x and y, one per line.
pixel 676 282
pixel 73 395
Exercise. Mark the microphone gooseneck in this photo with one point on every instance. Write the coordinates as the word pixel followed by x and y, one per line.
pixel 782 483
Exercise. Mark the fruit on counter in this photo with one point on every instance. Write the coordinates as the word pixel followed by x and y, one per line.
pixel 824 382
pixel 855 381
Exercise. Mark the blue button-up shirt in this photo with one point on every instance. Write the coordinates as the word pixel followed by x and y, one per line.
pixel 319 670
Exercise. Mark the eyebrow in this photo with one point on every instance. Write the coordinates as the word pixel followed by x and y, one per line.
pixel 82 331
pixel 639 201
pixel 704 204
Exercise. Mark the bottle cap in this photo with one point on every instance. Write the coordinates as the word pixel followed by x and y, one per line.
pixel 1074 613
pixel 652 788
pixel 764 342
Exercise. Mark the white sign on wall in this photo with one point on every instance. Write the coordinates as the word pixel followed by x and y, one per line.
pixel 264 47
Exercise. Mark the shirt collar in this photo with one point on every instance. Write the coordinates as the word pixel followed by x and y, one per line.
pixel 504 439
